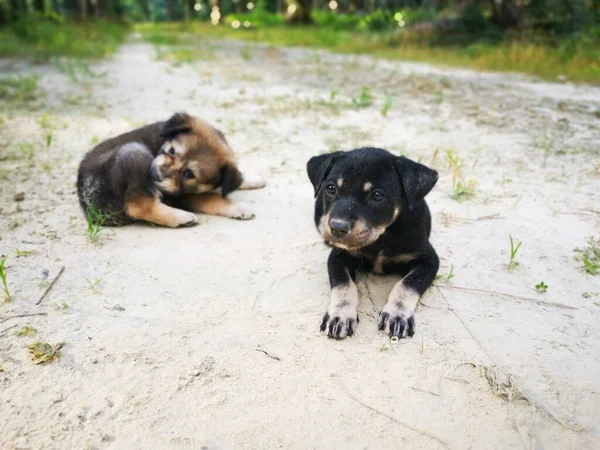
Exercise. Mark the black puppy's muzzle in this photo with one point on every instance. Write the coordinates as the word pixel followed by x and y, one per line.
pixel 339 227
pixel 155 174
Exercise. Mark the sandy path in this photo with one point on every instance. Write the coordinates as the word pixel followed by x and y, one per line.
pixel 175 364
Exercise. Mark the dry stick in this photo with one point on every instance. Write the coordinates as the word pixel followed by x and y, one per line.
pixel 268 354
pixel 503 294
pixel 6 319
pixel 423 390
pixel 62 269
pixel 9 328
pixel 392 418
pixel 572 427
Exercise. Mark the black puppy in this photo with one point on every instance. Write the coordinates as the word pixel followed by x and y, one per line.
pixel 370 208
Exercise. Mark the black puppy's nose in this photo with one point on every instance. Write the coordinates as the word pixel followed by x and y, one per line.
pixel 154 174
pixel 339 227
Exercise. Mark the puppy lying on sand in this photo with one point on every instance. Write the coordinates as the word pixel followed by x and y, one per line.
pixel 370 207
pixel 161 172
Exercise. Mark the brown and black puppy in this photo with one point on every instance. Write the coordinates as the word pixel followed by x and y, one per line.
pixel 161 172
pixel 370 208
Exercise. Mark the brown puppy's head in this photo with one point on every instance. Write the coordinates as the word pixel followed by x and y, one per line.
pixel 194 158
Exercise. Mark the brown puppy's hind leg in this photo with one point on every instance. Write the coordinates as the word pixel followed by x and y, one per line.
pixel 151 209
pixel 216 205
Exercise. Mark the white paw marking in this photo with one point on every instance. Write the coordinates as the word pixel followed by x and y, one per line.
pixel 397 320
pixel 340 321
pixel 341 317
pixel 253 182
pixel 185 219
pixel 240 211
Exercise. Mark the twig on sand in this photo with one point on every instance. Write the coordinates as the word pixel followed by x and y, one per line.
pixel 490 217
pixel 6 319
pixel 503 294
pixel 392 418
pixel 62 269
pixel 268 354
pixel 423 390
pixel 9 328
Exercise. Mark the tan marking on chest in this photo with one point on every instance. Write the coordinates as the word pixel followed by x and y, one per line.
pixel 401 258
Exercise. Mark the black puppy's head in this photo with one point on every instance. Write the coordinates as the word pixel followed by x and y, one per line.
pixel 362 192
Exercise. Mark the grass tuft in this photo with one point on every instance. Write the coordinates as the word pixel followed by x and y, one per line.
pixel 512 263
pixel 590 256
pixel 3 277
pixel 96 221
pixel 40 38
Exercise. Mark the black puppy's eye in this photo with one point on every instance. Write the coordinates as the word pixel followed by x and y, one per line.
pixel 187 173
pixel 331 189
pixel 171 151
pixel 377 196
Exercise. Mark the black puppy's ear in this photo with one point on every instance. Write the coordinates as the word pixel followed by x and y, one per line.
pixel 417 180
pixel 178 123
pixel 318 168
pixel 231 179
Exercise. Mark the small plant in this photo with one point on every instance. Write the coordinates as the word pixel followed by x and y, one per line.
pixel 3 275
pixel 512 263
pixel 19 89
pixel 541 287
pixel 446 277
pixel 48 139
pixel 93 284
pixel 590 256
pixel 27 330
pixel 463 190
pixel 61 306
pixel 42 352
pixel 96 220
pixel 364 99
pixel 387 104
pixel 21 253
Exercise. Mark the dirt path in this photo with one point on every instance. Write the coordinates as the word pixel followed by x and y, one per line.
pixel 209 335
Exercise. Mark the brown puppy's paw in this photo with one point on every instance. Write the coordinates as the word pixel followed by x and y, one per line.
pixel 340 323
pixel 240 211
pixel 253 182
pixel 397 321
pixel 184 219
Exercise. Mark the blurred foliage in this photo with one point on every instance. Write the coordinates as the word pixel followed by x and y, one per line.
pixel 545 37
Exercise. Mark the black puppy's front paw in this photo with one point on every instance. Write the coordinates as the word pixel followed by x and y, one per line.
pixel 340 322
pixel 397 321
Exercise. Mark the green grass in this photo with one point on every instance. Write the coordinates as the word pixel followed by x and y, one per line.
pixel 590 256
pixel 577 58
pixel 43 38
pixel 18 90
pixel 512 263
pixel 3 277
pixel 96 221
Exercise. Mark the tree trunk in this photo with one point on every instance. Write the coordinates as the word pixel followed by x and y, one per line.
pixel 83 12
pixel 505 13
pixel 302 16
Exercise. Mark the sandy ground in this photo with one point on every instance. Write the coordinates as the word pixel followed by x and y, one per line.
pixel 208 336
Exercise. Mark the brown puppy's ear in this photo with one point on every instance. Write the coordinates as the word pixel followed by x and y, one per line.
pixel 416 179
pixel 231 179
pixel 178 123
pixel 318 168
